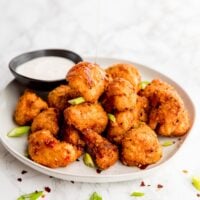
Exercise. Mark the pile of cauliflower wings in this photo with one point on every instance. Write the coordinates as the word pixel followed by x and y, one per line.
pixel 105 113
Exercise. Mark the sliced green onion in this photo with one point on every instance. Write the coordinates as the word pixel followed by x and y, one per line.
pixel 167 143
pixel 19 131
pixel 87 159
pixel 32 196
pixel 111 117
pixel 95 196
pixel 143 84
pixel 76 101
pixel 137 194
pixel 196 182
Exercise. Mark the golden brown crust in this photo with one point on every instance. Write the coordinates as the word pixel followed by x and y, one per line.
pixel 86 115
pixel 140 111
pixel 72 136
pixel 119 95
pixel 104 153
pixel 88 79
pixel 126 71
pixel 117 130
pixel 47 119
pixel 28 107
pixel 58 97
pixel 46 150
pixel 168 115
pixel 140 147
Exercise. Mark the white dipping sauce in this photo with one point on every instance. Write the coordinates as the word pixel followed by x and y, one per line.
pixel 47 68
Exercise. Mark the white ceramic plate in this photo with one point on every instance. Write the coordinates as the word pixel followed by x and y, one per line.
pixel 78 171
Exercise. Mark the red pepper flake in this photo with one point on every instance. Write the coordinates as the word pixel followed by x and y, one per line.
pixel 185 171
pixel 72 182
pixel 98 171
pixel 77 160
pixel 143 166
pixel 198 195
pixel 19 179
pixel 23 172
pixel 47 189
pixel 159 186
pixel 179 139
pixel 142 184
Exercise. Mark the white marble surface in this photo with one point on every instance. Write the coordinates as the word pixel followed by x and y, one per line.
pixel 162 34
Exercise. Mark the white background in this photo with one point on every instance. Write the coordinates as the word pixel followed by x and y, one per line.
pixel 162 34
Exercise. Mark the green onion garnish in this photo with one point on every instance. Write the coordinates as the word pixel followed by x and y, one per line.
pixel 143 84
pixel 111 117
pixel 167 143
pixel 19 131
pixel 87 159
pixel 95 196
pixel 76 101
pixel 32 196
pixel 196 182
pixel 137 194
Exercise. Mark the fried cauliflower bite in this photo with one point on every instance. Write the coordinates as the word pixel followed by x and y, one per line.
pixel 126 71
pixel 88 79
pixel 72 136
pixel 46 150
pixel 168 115
pixel 103 152
pixel 47 119
pixel 58 97
pixel 118 128
pixel 119 95
pixel 28 107
pixel 86 115
pixel 140 111
pixel 140 147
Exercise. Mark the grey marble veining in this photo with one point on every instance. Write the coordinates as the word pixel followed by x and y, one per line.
pixel 162 34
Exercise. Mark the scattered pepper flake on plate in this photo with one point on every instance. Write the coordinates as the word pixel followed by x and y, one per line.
pixel 185 171
pixel 24 172
pixel 19 179
pixel 47 189
pixel 72 182
pixel 142 184
pixel 159 186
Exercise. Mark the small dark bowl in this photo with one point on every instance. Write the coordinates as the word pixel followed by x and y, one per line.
pixel 36 83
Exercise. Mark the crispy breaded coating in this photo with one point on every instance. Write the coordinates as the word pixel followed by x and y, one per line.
pixel 28 107
pixel 58 97
pixel 141 110
pixel 88 79
pixel 119 95
pixel 103 152
pixel 47 119
pixel 72 136
pixel 140 147
pixel 117 130
pixel 125 71
pixel 46 150
pixel 86 115
pixel 168 115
